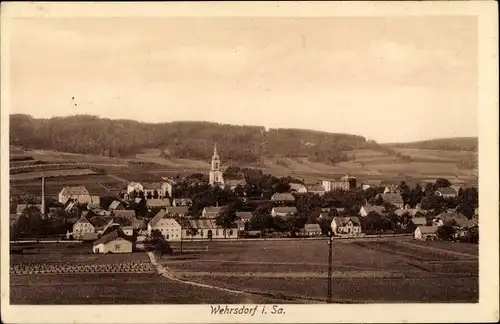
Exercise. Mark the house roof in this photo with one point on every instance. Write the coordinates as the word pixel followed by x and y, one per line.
pixel 125 213
pixel 164 202
pixel 115 204
pixel 369 208
pixel 419 220
pixel 315 188
pixel 447 191
pixel 90 236
pixel 74 191
pixel 243 215
pixel 98 221
pixel 134 184
pixel 152 185
pixel 466 223
pixel 392 198
pixel 285 196
pixel 199 224
pixel 117 233
pixel 428 229
pixel 297 186
pixel 312 228
pixel 180 210
pixel 285 210
pixel 95 199
pixel 83 220
pixel 445 217
pixel 213 209
pixel 159 216
pixel 182 200
pixel 342 221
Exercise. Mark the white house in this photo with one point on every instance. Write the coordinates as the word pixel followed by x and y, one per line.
pixel 156 190
pixel 78 193
pixel 312 230
pixel 169 228
pixel 346 225
pixel 367 208
pixel 81 227
pixel 298 188
pixel 283 211
pixel 113 242
pixel 207 229
pixel 426 233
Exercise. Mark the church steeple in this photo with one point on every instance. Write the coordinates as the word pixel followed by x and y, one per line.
pixel 215 160
pixel 216 177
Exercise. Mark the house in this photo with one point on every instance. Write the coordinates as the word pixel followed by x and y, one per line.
pixel 99 223
pixel 346 225
pixel 207 229
pixel 21 207
pixel 157 203
pixel 95 202
pixel 392 198
pixel 312 230
pixel 457 187
pixel 116 205
pixel 151 189
pixel 89 237
pixel 179 202
pixel 419 221
pixel 452 218
pixel 78 193
pixel 426 233
pixel 244 216
pixel 297 188
pixel 446 192
pixel 240 225
pixel 283 211
pixel 113 242
pixel 127 213
pixel 138 224
pixel 81 227
pixel 367 208
pixel 168 226
pixel 134 186
pixel 101 212
pixel 212 212
pixel 233 183
pixel 283 198
pixel 346 183
pixel 316 189
pixel 180 211
pixel 365 185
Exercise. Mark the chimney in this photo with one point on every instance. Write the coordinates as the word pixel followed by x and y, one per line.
pixel 43 196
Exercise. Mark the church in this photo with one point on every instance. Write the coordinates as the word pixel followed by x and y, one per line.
pixel 215 176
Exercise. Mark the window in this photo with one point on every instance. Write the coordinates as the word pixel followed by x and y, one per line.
pixel 168 236
pixel 230 232
pixel 201 232
pixel 117 247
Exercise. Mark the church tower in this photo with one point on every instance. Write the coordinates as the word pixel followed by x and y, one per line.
pixel 215 177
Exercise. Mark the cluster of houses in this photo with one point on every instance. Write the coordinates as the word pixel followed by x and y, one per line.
pixel 112 229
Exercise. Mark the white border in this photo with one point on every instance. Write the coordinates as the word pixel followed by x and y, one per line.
pixel 485 310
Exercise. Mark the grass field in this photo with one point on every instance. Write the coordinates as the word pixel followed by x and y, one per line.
pixel 364 164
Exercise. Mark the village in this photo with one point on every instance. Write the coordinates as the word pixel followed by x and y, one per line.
pixel 240 204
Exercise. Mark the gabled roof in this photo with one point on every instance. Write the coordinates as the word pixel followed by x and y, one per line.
pixel 83 220
pixel 312 228
pixel 392 198
pixel 447 191
pixel 283 197
pixel 297 186
pixel 315 188
pixel 369 208
pixel 95 200
pixel 180 210
pixel 213 209
pixel 115 204
pixel 199 224
pixel 117 233
pixel 125 213
pixel 159 216
pixel 90 236
pixel 134 184
pixel 74 191
pixel 449 216
pixel 152 185
pixel 243 215
pixel 163 202
pixel 419 221
pixel 181 201
pixel 98 221
pixel 343 221
pixel 428 229
pixel 285 210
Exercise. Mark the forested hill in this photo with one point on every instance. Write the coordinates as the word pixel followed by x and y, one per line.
pixel 194 140
pixel 445 144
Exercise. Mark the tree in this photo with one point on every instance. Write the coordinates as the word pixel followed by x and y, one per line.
pixel 446 232
pixel 226 219
pixel 442 183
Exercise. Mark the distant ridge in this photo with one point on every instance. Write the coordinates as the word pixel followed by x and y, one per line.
pixel 446 144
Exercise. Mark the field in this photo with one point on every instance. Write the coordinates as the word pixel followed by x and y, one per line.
pixel 364 164
pixel 293 271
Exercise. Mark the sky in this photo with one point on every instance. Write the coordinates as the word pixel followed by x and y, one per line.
pixel 388 79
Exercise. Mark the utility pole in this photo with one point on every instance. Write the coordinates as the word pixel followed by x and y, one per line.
pixel 329 292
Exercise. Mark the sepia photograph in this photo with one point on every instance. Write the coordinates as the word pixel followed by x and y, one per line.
pixel 248 164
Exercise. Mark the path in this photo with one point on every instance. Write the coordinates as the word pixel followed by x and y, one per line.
pixel 167 274
pixel 439 249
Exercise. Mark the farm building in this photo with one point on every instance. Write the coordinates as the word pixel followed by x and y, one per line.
pixel 283 198
pixel 316 189
pixel 244 216
pixel 207 229
pixel 367 208
pixel 180 202
pixel 168 226
pixel 446 192
pixel 426 233
pixel 81 227
pixel 79 194
pixel 113 242
pixel 298 188
pixel 212 212
pixel 392 198
pixel 157 203
pixel 346 225
pixel 311 230
pixel 180 211
pixel 283 211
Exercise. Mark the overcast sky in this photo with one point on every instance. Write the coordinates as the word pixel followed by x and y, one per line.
pixel 387 79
